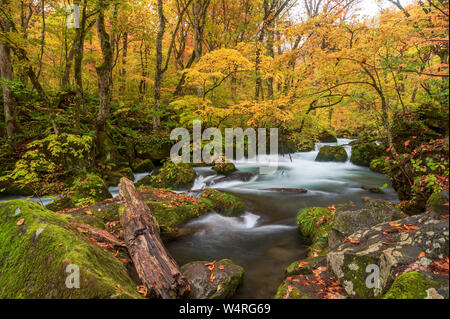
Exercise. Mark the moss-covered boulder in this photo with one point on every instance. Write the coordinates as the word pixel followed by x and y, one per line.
pixel 171 210
pixel 89 189
pixel 332 154
pixel 226 274
pixel 112 178
pixel 40 250
pixel 144 166
pixel 60 203
pixel 416 285
pixel 364 152
pixel 314 223
pixel 176 176
pixel 155 147
pixel 224 203
pixel 438 202
pixel 224 168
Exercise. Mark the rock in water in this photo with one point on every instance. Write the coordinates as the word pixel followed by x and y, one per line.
pixel 390 249
pixel 219 283
pixel 332 154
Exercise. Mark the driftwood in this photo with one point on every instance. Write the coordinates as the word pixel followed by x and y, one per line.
pixel 155 267
pixel 99 234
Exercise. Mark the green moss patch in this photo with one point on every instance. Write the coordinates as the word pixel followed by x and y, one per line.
pixel 37 246
pixel 314 223
pixel 175 176
pixel 224 203
pixel 412 285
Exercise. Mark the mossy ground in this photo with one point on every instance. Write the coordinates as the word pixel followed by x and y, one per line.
pixel 34 257
pixel 224 203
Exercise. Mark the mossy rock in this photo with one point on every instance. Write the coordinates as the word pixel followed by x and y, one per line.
pixel 171 210
pixel 224 203
pixel 60 203
pixel 175 176
pixel 227 278
pixel 305 267
pixel 411 285
pixel 224 168
pixel 36 254
pixel 145 181
pixel 155 147
pixel 332 154
pixel 437 202
pixel 314 223
pixel 89 189
pixel 364 152
pixel 144 166
pixel 9 187
pixel 113 178
pixel 307 146
pixel 294 293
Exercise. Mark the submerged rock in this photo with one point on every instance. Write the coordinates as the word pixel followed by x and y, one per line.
pixel 288 190
pixel 40 251
pixel 236 176
pixel 219 283
pixel 419 242
pixel 332 154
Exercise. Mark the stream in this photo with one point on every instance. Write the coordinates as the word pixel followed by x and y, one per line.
pixel 265 240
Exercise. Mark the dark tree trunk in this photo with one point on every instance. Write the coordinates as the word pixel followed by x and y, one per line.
pixel 158 66
pixel 155 267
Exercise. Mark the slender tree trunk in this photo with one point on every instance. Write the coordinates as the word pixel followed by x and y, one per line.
pixel 123 73
pixel 158 66
pixel 104 76
pixel 6 73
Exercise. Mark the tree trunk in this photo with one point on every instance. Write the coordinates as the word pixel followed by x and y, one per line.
pixel 6 72
pixel 158 66
pixel 155 267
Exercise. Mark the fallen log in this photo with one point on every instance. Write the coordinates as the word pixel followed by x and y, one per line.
pixel 98 234
pixel 154 266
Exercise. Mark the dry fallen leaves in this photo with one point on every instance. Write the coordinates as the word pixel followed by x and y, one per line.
pixel 421 255
pixel 142 290
pixel 354 241
pixel 20 221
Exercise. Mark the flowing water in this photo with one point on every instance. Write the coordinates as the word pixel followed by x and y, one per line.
pixel 265 240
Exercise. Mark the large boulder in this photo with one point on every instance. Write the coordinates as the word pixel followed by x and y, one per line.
pixel 224 203
pixel 40 252
pixel 332 154
pixel 364 152
pixel 419 242
pixel 216 280
pixel 349 219
pixel 144 166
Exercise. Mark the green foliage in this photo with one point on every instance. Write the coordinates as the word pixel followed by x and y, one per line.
pixel 314 223
pixel 89 189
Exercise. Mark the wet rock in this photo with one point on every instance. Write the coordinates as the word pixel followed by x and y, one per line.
pixel 374 190
pixel 414 243
pixel 235 176
pixel 288 190
pixel 224 203
pixel 332 154
pixel 227 278
pixel 349 219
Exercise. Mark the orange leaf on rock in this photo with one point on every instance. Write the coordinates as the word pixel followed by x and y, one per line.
pixel 421 255
pixel 20 221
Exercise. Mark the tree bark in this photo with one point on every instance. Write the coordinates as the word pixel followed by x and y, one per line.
pixel 158 66
pixel 155 267
pixel 6 72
